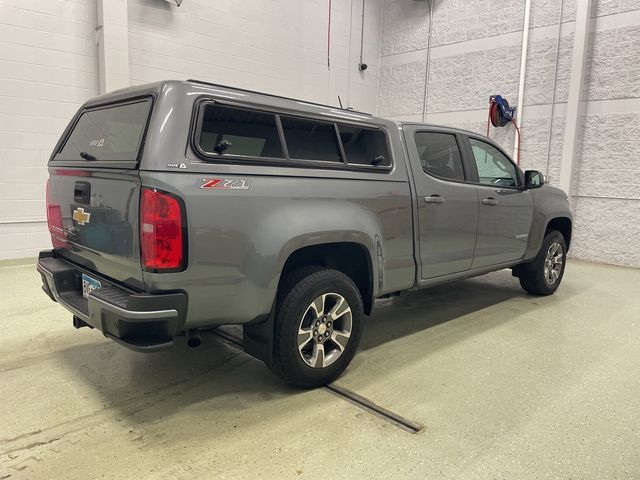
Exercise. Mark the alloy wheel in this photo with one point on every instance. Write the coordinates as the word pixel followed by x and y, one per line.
pixel 324 330
pixel 553 263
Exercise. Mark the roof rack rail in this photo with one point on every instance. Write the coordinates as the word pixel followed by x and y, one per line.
pixel 193 80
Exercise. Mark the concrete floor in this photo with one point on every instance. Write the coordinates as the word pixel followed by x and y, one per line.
pixel 506 385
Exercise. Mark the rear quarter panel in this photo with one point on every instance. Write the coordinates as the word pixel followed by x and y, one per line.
pixel 239 240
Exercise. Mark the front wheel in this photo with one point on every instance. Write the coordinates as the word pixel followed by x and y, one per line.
pixel 317 326
pixel 544 274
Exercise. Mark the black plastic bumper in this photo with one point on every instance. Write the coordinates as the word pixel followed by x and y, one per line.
pixel 138 321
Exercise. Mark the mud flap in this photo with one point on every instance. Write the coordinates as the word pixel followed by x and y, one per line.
pixel 258 338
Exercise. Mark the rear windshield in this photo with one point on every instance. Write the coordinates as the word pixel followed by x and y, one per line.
pixel 111 133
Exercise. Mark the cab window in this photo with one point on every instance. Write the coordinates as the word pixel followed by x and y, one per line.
pixel 440 155
pixel 494 168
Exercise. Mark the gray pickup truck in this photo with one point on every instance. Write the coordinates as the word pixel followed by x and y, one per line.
pixel 182 205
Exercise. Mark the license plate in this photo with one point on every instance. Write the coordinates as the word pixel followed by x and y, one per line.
pixel 89 285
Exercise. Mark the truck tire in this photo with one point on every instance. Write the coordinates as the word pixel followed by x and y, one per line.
pixel 317 326
pixel 544 274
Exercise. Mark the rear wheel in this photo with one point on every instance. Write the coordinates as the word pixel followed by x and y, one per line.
pixel 317 326
pixel 544 274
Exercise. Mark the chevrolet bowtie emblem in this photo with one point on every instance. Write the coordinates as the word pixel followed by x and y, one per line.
pixel 80 216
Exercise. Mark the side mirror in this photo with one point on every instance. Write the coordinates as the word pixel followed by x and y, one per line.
pixel 533 179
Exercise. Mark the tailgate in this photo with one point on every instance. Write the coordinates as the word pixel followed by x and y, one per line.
pixel 93 193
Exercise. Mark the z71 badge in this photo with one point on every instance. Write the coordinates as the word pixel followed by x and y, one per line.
pixel 226 183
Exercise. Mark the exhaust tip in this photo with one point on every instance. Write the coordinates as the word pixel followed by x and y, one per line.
pixel 193 339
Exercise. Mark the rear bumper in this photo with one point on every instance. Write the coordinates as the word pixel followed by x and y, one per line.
pixel 138 321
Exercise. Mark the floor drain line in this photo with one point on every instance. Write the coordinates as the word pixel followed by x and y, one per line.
pixel 344 394
pixel 376 410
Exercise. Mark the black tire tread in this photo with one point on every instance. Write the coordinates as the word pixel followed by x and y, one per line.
pixel 531 275
pixel 292 290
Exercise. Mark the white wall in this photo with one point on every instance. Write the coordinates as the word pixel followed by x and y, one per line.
pixel 476 52
pixel 275 46
pixel 49 66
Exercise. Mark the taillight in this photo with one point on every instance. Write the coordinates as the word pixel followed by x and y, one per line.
pixel 161 237
pixel 54 220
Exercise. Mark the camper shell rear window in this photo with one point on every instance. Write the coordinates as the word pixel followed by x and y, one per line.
pixel 107 134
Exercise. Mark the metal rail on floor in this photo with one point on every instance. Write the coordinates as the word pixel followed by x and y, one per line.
pixel 343 393
pixel 372 408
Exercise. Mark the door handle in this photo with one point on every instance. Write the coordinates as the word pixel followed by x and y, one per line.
pixel 434 199
pixel 489 201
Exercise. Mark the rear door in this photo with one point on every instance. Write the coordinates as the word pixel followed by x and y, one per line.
pixel 447 204
pixel 93 191
pixel 506 210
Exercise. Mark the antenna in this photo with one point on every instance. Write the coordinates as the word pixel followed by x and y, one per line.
pixel 340 102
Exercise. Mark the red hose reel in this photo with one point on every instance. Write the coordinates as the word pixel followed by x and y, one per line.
pixel 500 115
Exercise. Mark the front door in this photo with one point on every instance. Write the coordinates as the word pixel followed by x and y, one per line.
pixel 506 210
pixel 447 204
